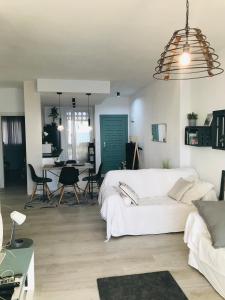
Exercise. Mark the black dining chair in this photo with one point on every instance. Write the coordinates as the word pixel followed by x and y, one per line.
pixel 71 161
pixel 93 179
pixel 39 181
pixel 69 176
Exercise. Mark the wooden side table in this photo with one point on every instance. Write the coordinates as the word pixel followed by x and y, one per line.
pixel 20 261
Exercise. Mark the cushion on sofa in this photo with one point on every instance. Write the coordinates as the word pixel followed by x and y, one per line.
pixel 180 187
pixel 213 213
pixel 129 192
pixel 127 200
pixel 196 192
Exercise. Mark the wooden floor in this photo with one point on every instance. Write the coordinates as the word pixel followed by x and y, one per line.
pixel 70 253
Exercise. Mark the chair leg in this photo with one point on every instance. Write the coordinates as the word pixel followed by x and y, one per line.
pixel 48 192
pixel 61 194
pixel 86 189
pixel 75 192
pixel 77 186
pixel 33 192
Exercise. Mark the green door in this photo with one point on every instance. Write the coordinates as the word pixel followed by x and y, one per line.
pixel 114 136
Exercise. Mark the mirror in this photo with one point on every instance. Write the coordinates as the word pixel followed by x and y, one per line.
pixel 159 132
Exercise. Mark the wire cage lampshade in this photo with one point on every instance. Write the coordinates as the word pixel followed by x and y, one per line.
pixel 188 55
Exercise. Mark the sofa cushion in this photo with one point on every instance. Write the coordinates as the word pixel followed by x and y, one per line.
pixel 196 192
pixel 213 213
pixel 129 192
pixel 180 187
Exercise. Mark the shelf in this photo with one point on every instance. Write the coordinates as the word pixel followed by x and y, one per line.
pixel 198 136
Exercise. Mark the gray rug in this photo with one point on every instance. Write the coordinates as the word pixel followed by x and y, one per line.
pixel 148 286
pixel 68 201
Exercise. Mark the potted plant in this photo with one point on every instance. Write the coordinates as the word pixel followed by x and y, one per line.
pixel 54 114
pixel 192 119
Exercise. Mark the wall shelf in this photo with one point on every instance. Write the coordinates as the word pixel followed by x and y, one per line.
pixel 198 136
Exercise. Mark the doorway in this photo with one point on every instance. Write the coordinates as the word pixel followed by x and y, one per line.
pixel 14 150
pixel 114 136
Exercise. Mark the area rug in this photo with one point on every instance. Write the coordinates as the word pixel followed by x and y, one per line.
pixel 148 286
pixel 68 201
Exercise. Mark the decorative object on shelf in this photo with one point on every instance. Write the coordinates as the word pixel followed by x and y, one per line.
pixel 118 94
pixel 200 136
pixel 54 114
pixel 192 119
pixel 218 130
pixel 159 132
pixel 208 120
pixel 89 119
pixel 60 126
pixel 188 55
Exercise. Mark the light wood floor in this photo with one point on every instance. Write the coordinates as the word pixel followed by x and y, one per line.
pixel 70 253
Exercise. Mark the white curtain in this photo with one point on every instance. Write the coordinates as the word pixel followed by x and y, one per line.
pixel 12 130
pixel 76 134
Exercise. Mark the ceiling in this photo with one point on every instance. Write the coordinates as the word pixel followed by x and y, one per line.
pixel 111 40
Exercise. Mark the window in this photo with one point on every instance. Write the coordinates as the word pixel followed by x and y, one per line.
pixel 12 130
pixel 77 135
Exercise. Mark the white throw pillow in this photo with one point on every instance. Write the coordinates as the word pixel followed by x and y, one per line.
pixel 127 200
pixel 196 192
pixel 129 192
pixel 180 187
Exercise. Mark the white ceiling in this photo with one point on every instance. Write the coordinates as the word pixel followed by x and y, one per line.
pixel 66 99
pixel 116 40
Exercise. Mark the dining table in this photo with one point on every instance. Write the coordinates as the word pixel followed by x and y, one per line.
pixel 53 171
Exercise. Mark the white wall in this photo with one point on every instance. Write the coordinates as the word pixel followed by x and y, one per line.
pixel 208 95
pixel 169 102
pixel 157 103
pixel 32 105
pixel 11 104
pixel 110 106
pixel 11 101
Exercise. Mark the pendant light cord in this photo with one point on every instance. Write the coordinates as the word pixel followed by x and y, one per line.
pixel 59 107
pixel 88 107
pixel 187 16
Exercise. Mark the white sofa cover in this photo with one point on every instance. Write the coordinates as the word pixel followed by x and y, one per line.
pixel 156 213
pixel 202 255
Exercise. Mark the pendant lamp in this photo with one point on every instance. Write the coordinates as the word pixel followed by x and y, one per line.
pixel 60 126
pixel 188 55
pixel 89 120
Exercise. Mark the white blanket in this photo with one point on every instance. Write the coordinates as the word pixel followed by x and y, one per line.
pixel 153 215
pixel 211 260
pixel 157 213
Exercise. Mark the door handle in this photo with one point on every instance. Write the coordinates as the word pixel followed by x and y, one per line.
pixel 104 144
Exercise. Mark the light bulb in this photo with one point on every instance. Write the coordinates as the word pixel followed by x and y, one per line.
pixel 185 58
pixel 60 128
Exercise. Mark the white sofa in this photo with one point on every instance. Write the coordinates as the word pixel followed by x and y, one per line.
pixel 202 255
pixel 156 212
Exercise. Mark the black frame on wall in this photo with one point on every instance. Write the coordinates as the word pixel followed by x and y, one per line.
pixel 218 130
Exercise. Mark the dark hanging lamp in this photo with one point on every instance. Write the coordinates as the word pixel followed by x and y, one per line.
pixel 60 126
pixel 89 120
pixel 73 102
pixel 188 55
